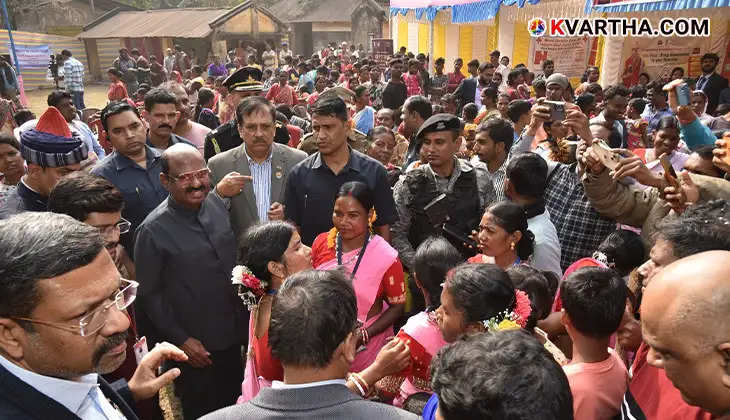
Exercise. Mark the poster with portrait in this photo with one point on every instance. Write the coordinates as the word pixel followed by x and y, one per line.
pixel 657 56
pixel 570 54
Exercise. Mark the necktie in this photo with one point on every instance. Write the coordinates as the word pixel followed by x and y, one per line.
pixel 701 82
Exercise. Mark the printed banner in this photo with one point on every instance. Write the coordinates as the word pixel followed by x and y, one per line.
pixel 32 56
pixel 382 51
pixel 656 56
pixel 570 54
pixel 624 2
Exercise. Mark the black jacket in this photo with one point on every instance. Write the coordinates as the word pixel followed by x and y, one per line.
pixel 466 91
pixel 21 200
pixel 20 401
pixel 715 84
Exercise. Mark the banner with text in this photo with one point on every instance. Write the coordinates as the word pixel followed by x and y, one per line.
pixel 570 54
pixel 32 56
pixel 656 56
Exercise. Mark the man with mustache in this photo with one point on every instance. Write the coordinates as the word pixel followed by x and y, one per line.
pixel 245 82
pixel 445 196
pixel 265 163
pixel 161 114
pixel 63 322
pixel 185 251
pixel 95 201
pixel 134 167
pixel 190 130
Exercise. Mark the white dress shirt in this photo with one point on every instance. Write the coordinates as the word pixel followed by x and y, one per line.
pixel 547 246
pixel 282 385
pixel 82 397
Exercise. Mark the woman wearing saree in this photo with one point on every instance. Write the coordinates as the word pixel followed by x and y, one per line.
pixel 372 263
pixel 503 236
pixel 271 252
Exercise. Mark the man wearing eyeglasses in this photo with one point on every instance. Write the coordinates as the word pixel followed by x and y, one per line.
pixel 63 323
pixel 95 201
pixel 184 253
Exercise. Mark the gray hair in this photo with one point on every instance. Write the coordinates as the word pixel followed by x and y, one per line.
pixel 36 246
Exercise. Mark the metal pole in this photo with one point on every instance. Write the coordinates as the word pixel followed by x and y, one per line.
pixel 10 36
pixel 431 58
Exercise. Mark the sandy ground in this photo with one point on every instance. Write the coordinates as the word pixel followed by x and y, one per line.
pixel 94 97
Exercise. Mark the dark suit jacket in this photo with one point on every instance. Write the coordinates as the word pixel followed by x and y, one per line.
pixel 712 89
pixel 318 402
pixel 18 400
pixel 243 206
pixel 465 92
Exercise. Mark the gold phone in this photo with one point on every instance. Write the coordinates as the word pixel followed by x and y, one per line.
pixel 608 157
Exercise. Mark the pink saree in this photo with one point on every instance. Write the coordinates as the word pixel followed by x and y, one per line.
pixel 252 382
pixel 378 258
pixel 428 335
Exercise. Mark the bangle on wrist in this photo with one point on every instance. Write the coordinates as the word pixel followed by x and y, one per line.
pixel 360 383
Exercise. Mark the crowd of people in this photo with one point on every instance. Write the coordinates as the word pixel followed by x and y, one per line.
pixel 337 237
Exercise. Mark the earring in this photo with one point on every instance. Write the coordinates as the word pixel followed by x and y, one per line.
pixel 512 246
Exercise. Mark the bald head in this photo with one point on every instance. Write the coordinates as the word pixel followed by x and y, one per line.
pixel 684 315
pixel 179 154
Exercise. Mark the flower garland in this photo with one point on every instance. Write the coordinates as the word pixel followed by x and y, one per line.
pixel 250 287
pixel 511 320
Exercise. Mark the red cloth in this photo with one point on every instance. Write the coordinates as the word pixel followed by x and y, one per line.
pixel 267 365
pixel 117 91
pixel 655 394
pixel 295 135
pixel 413 83
pixel 454 80
pixel 282 95
pixel 392 287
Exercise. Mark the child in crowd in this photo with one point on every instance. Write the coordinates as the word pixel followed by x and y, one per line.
pixel 593 303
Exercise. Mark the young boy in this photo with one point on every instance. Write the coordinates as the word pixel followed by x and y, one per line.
pixel 593 305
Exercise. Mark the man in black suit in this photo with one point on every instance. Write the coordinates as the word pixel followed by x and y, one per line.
pixel 710 82
pixel 467 91
pixel 63 323
pixel 313 332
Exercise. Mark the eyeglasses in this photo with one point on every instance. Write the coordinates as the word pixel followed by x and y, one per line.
pixel 92 322
pixel 123 225
pixel 188 177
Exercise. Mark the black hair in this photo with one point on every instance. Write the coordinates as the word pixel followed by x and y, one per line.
pixel 205 95
pixel 500 131
pixel 114 71
pixel 10 141
pixel 491 92
pixel 420 105
pixel 285 109
pixel 656 88
pixel 537 287
pixel 333 107
pixel 637 104
pixel 615 90
pixel 594 88
pixel 158 96
pixel 675 69
pixel 702 227
pixel 66 53
pixel 114 108
pixel 359 191
pixel 636 92
pixel 624 250
pixel 546 62
pixel 36 246
pixel 527 172
pixel 494 53
pixel 584 101
pixel 711 56
pixel 668 122
pixel 262 243
pixel 415 403
pixel 470 111
pixel 254 103
pixel 480 291
pixel 517 108
pixel 485 65
pixel 512 218
pixel 503 375
pixel 55 97
pixel 539 84
pixel 594 298
pixel 22 116
pixel 473 63
pixel 513 75
pixel 81 193
pixel 440 60
pixel 381 129
pixel 313 313
pixel 434 257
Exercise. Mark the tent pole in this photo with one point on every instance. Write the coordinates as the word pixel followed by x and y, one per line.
pixel 10 36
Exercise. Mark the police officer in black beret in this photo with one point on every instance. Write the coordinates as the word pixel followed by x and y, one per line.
pixel 243 83
pixel 443 196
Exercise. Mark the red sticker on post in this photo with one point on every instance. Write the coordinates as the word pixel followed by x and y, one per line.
pixel 140 349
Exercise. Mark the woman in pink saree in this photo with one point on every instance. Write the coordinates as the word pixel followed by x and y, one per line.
pixel 271 252
pixel 373 265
